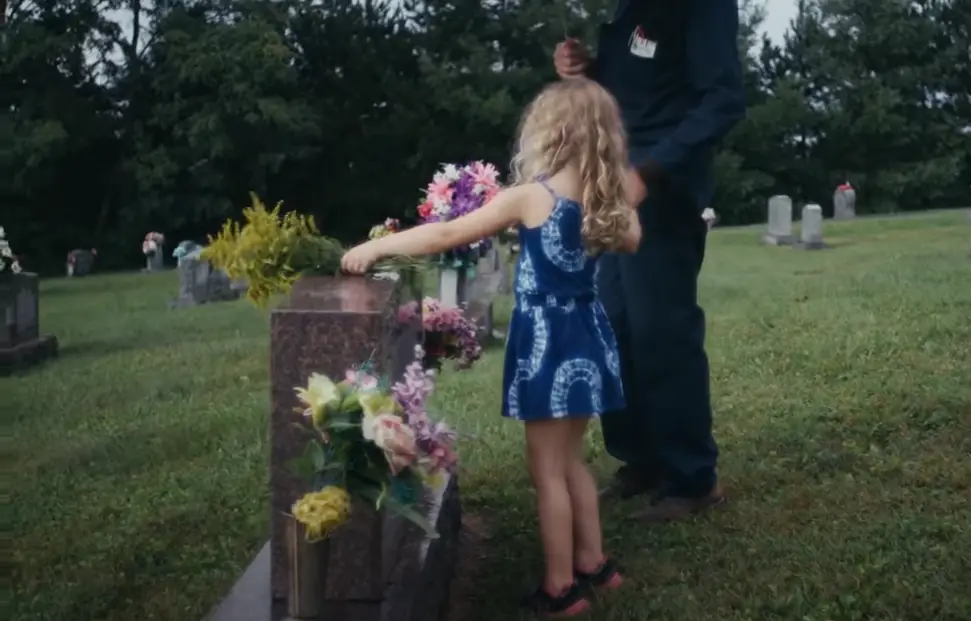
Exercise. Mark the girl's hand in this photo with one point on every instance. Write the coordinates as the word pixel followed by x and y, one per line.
pixel 359 259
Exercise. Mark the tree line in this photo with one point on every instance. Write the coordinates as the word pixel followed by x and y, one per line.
pixel 121 117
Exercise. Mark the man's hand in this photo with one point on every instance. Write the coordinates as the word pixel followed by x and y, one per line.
pixel 636 190
pixel 570 59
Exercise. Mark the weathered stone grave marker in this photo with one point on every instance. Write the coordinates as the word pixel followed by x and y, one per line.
pixel 779 230
pixel 80 262
pixel 200 283
pixel 482 291
pixel 21 342
pixel 812 228
pixel 844 203
pixel 153 247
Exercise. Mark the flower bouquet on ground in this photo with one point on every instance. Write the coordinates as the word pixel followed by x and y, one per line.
pixel 454 192
pixel 8 260
pixel 372 442
pixel 449 334
pixel 152 244
pixel 271 251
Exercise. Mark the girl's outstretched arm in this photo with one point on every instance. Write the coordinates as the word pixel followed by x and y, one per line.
pixel 497 215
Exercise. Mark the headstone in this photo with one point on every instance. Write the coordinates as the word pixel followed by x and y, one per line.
pixel 779 230
pixel 184 249
pixel 812 227
pixel 453 285
pixel 379 567
pixel 154 262
pixel 200 283
pixel 482 291
pixel 21 342
pixel 844 203
pixel 80 262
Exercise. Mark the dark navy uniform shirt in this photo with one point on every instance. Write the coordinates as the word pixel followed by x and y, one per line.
pixel 673 66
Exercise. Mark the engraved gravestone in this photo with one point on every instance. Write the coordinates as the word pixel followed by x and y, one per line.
pixel 779 229
pixel 812 227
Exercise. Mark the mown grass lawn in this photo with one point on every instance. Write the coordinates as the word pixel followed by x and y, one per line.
pixel 137 461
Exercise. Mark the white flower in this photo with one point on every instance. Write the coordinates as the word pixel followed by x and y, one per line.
pixel 708 215
pixel 451 172
pixel 15 267
pixel 441 208
pixel 5 250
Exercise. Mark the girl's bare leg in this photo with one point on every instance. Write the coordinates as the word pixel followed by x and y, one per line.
pixel 588 550
pixel 549 452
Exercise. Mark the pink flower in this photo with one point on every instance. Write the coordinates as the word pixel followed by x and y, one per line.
pixel 484 174
pixel 361 380
pixel 439 191
pixel 390 434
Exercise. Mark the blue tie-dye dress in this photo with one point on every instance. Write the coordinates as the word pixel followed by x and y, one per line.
pixel 561 354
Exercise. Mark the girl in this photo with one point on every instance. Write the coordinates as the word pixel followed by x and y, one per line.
pixel 569 201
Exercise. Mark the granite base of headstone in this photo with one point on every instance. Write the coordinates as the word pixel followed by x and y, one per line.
pixel 811 237
pixel 779 227
pixel 21 343
pixel 79 262
pixel 409 575
pixel 844 204
pixel 200 283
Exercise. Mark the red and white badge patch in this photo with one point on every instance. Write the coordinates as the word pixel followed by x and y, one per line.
pixel 640 45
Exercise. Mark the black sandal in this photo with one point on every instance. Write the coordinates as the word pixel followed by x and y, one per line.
pixel 571 602
pixel 606 578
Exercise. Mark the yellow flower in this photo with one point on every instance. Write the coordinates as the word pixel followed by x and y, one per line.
pixel 322 512
pixel 269 251
pixel 320 394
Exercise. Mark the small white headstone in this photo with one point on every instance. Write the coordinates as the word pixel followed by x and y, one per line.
pixel 812 227
pixel 779 230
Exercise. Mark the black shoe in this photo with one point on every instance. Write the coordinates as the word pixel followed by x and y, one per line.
pixel 571 602
pixel 606 578
pixel 628 482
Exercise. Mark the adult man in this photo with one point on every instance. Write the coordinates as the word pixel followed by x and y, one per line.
pixel 674 69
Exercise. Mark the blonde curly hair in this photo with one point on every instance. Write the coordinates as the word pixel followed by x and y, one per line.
pixel 577 122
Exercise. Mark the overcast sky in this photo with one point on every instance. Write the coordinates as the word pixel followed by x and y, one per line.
pixel 778 14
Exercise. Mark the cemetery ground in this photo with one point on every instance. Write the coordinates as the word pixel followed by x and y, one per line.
pixel 137 461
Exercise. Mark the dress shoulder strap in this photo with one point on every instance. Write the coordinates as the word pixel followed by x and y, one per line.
pixel 542 180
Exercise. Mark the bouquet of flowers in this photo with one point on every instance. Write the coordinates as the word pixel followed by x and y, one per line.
pixel 449 334
pixel 152 242
pixel 271 251
pixel 455 192
pixel 371 442
pixel 8 261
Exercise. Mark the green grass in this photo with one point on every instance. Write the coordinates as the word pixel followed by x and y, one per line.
pixel 137 461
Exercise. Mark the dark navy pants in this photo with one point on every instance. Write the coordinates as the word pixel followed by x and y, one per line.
pixel 651 298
